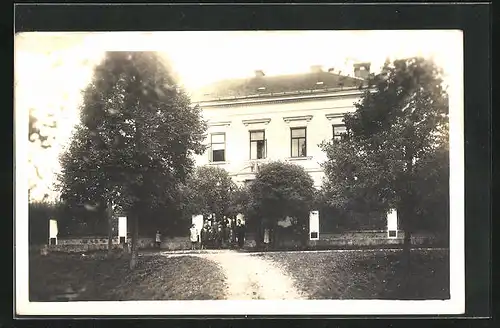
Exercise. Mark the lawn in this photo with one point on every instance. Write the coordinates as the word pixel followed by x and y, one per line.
pixel 366 274
pixel 97 278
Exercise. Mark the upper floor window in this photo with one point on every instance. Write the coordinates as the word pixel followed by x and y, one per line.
pixel 339 131
pixel 257 144
pixel 299 142
pixel 218 147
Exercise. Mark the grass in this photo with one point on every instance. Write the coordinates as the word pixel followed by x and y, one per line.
pixel 367 274
pixel 97 278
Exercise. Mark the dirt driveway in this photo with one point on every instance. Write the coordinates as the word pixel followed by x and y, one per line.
pixel 249 277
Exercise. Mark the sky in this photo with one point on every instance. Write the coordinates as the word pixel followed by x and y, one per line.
pixel 51 69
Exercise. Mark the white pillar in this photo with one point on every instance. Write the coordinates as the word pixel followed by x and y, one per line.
pixel 197 220
pixel 314 225
pixel 392 224
pixel 122 228
pixel 53 232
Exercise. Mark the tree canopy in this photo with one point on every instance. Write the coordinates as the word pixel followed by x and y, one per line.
pixel 209 190
pixel 136 137
pixel 281 190
pixel 395 154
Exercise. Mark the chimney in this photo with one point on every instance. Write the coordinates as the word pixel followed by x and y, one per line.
pixel 259 73
pixel 361 70
pixel 316 69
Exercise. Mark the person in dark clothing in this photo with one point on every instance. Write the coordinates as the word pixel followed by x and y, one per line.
pixel 219 236
pixel 240 232
pixel 210 236
pixel 204 237
pixel 227 236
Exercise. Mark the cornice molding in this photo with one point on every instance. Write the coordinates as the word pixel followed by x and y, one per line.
pixel 256 121
pixel 289 119
pixel 255 100
pixel 334 115
pixel 221 123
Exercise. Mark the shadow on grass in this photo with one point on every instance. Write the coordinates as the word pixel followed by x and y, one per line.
pixel 368 274
pixel 94 277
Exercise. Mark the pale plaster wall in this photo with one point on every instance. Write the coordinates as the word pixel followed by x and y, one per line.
pixel 267 116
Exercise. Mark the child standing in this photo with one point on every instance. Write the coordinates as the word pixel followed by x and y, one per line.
pixel 158 239
pixel 267 238
pixel 193 236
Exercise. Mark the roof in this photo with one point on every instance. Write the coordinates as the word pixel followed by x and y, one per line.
pixel 269 85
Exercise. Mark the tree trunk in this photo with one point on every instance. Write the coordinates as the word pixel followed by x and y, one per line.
pixel 304 236
pixel 274 235
pixel 258 235
pixel 406 264
pixel 408 209
pixel 110 232
pixel 135 237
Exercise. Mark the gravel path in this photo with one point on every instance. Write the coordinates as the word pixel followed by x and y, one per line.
pixel 251 278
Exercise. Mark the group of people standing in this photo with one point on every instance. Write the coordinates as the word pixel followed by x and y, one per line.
pixel 218 235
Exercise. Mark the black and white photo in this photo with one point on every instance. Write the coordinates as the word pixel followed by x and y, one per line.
pixel 246 172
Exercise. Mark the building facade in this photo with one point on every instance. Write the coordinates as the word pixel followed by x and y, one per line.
pixel 260 119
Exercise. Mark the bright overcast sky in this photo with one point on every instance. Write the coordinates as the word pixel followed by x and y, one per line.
pixel 51 69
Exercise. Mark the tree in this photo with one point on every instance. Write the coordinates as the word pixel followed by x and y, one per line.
pixel 281 190
pixel 209 191
pixel 239 202
pixel 393 139
pixel 135 141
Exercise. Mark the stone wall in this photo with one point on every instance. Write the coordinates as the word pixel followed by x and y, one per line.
pixel 176 243
pixel 326 240
pixel 85 244
pixel 373 238
pixel 91 240
pixel 79 248
pixel 376 238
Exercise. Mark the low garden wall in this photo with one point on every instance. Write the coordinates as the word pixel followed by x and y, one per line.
pixel 351 239
pixel 375 237
pixel 326 240
pixel 92 243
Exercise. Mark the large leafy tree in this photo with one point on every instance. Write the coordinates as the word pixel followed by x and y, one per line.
pixel 135 141
pixel 209 191
pixel 239 202
pixel 395 151
pixel 280 190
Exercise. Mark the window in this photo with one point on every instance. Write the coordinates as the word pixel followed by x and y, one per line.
pixel 247 182
pixel 339 131
pixel 298 138
pixel 218 147
pixel 257 144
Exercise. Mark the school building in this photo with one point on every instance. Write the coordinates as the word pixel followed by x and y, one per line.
pixel 265 118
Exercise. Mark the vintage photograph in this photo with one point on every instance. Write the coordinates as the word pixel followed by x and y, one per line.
pixel 284 166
